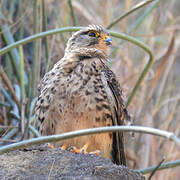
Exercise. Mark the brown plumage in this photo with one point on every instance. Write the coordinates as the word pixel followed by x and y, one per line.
pixel 82 92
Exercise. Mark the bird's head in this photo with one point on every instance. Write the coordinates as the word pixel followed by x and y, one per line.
pixel 92 37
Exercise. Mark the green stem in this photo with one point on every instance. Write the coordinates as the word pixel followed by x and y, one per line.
pixel 143 16
pixel 163 166
pixel 137 23
pixel 22 81
pixel 46 43
pixel 72 12
pixel 14 56
pixel 20 12
pixel 36 50
pixel 136 7
pixel 10 134
pixel 22 84
pixel 34 131
pixel 37 36
pixel 145 70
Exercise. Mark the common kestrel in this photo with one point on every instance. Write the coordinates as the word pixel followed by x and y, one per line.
pixel 82 92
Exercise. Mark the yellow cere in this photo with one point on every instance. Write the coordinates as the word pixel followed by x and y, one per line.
pixel 104 36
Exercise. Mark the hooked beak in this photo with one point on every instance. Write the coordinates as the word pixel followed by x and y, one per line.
pixel 108 41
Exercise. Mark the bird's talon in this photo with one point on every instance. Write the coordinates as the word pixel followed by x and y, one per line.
pixel 97 152
pixel 50 146
pixel 63 147
pixel 83 150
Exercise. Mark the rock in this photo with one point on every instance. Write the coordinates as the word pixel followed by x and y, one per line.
pixel 41 163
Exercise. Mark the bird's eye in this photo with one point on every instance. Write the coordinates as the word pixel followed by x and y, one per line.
pixel 92 34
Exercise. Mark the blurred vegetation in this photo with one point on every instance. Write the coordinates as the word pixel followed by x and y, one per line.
pixel 157 101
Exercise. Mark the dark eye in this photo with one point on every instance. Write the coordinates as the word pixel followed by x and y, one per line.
pixel 92 34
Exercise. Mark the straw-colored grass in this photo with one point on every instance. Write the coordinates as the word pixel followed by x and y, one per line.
pixel 157 100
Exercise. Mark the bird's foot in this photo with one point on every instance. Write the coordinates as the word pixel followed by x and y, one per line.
pixel 63 147
pixel 97 152
pixel 50 146
pixel 83 150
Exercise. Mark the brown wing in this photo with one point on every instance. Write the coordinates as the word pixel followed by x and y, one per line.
pixel 114 94
pixel 47 90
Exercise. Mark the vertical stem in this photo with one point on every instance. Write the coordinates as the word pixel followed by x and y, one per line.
pixel 14 56
pixel 72 12
pixel 36 67
pixel 22 84
pixel 20 10
pixel 45 29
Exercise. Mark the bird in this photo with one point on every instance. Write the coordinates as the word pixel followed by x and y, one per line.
pixel 81 92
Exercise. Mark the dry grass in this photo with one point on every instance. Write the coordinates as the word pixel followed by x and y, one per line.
pixel 156 103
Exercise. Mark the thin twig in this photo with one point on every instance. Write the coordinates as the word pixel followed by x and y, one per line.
pixel 8 140
pixel 72 134
pixel 10 134
pixel 23 124
pixel 155 169
pixel 6 127
pixel 49 176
